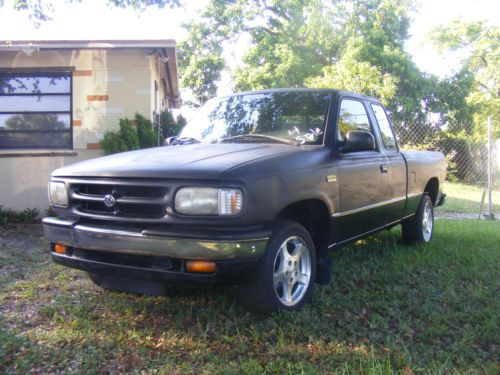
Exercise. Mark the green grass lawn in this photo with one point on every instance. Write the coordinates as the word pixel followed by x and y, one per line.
pixel 465 198
pixel 390 309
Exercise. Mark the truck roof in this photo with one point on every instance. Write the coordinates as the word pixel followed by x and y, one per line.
pixel 328 90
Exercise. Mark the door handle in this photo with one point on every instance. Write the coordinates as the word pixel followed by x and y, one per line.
pixel 384 169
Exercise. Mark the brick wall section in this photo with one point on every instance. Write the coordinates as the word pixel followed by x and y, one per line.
pixel 97 98
pixel 93 146
pixel 82 73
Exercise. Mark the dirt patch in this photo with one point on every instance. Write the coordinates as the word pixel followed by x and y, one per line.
pixel 18 242
pixel 27 237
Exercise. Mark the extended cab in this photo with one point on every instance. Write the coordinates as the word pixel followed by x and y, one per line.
pixel 257 189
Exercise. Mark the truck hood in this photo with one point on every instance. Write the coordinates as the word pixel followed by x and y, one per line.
pixel 185 161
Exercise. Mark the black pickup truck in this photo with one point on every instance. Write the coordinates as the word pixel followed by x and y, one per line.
pixel 256 190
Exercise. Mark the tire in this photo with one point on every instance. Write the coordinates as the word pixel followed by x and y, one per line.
pixel 419 228
pixel 284 277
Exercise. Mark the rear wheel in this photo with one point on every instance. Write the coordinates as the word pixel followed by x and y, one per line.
pixel 420 227
pixel 285 275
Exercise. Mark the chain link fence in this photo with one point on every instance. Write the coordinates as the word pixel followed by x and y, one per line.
pixel 467 162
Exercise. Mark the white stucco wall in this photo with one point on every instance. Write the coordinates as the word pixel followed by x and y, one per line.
pixel 24 179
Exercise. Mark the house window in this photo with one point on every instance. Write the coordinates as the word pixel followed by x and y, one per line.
pixel 35 110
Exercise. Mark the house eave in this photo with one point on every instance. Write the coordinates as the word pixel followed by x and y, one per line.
pixel 14 45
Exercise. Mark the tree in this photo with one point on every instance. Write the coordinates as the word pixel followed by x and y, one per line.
pixel 469 96
pixel 200 61
pixel 169 127
pixel 290 42
pixel 351 74
pixel 356 45
pixel 41 10
pixel 479 44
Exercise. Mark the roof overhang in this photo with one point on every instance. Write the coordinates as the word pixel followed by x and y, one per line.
pixel 15 45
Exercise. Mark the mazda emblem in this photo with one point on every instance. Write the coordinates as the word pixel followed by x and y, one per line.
pixel 109 200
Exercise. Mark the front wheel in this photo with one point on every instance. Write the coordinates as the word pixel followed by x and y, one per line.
pixel 419 228
pixel 284 277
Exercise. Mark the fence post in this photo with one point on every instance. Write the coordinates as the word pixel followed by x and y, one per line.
pixel 490 214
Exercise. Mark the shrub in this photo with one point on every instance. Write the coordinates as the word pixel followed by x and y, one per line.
pixel 169 126
pixel 5 214
pixel 49 212
pixel 145 132
pixel 29 215
pixel 126 139
pixel 143 136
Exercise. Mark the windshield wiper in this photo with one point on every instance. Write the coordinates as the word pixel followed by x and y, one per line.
pixel 260 137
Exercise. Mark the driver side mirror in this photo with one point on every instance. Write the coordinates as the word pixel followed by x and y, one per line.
pixel 358 140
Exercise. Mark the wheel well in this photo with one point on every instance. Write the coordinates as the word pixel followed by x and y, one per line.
pixel 432 188
pixel 313 215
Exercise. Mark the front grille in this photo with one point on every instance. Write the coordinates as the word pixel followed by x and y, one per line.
pixel 125 199
pixel 121 190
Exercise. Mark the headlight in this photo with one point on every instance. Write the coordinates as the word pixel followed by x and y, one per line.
pixel 58 194
pixel 209 201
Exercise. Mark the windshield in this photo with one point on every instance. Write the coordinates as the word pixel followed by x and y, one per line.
pixel 293 117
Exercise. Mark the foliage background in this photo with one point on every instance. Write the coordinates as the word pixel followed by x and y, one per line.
pixel 359 46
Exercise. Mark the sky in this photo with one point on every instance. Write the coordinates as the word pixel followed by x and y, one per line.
pixel 92 19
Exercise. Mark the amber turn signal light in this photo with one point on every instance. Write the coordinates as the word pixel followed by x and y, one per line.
pixel 202 266
pixel 60 249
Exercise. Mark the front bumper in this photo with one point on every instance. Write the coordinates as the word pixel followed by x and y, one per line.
pixel 148 280
pixel 155 256
pixel 215 245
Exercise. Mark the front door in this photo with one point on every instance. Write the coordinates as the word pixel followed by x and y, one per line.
pixel 396 164
pixel 363 181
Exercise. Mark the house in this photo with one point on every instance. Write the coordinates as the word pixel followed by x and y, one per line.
pixel 58 98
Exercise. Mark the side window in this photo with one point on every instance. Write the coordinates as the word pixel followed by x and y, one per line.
pixel 352 117
pixel 385 127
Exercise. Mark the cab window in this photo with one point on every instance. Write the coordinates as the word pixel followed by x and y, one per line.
pixel 385 128
pixel 352 116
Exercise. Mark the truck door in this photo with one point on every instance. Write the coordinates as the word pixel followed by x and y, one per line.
pixel 396 164
pixel 363 180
